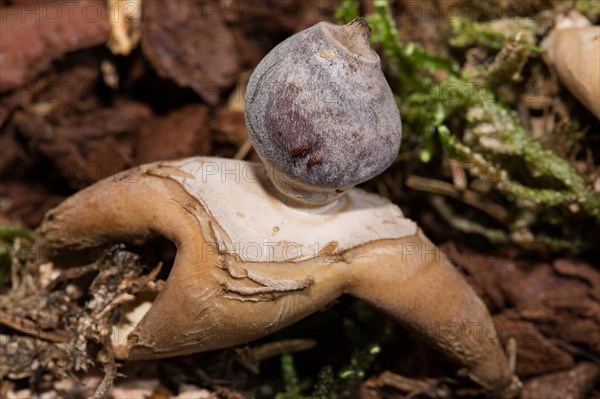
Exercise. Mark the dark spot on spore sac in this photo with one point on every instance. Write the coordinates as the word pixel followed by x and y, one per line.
pixel 352 66
pixel 299 152
pixel 293 134
pixel 313 161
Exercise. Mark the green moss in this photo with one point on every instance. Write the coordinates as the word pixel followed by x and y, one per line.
pixel 8 235
pixel 433 93
pixel 366 333
pixel 328 384
pixel 293 386
pixel 347 11
pixel 469 33
pixel 591 8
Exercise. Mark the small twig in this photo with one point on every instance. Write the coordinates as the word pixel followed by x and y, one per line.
pixel 511 349
pixel 467 196
pixel 118 301
pixel 393 186
pixel 382 188
pixel 72 274
pixel 250 358
pixel 412 387
pixel 244 150
pixel 30 328
pixel 573 349
pixel 272 349
pixel 110 373
pixel 523 236
pixel 465 225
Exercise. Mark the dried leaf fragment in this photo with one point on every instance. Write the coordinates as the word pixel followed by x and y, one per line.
pixel 190 45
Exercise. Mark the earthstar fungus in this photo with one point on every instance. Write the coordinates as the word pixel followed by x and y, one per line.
pixel 573 53
pixel 255 254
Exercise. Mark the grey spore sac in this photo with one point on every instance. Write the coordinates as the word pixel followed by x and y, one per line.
pixel 319 109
